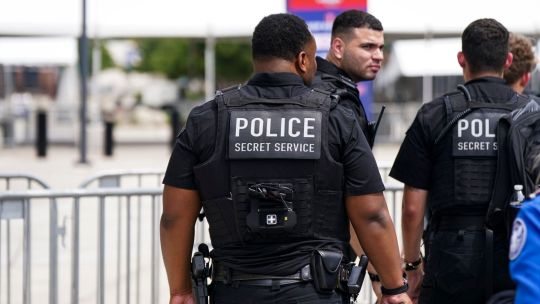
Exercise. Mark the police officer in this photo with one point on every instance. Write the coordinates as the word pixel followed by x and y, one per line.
pixel 355 54
pixel 278 167
pixel 448 163
pixel 524 247
pixel 524 61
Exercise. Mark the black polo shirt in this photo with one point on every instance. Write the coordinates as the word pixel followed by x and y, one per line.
pixel 347 144
pixel 415 160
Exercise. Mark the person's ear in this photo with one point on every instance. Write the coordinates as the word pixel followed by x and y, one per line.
pixel 337 47
pixel 301 62
pixel 461 59
pixel 524 79
pixel 508 61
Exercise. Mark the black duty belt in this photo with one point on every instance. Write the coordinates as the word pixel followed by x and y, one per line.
pixel 458 222
pixel 229 276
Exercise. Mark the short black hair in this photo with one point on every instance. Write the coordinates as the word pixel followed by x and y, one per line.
pixel 279 36
pixel 485 45
pixel 350 19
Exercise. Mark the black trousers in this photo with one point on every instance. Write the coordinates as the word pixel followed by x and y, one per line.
pixel 456 268
pixel 297 293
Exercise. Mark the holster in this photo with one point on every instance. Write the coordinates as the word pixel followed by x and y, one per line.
pixel 199 275
pixel 325 267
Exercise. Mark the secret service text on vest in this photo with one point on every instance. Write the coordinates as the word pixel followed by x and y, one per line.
pixel 286 128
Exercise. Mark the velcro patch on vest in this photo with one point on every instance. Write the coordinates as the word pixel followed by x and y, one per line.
pixel 272 134
pixel 475 135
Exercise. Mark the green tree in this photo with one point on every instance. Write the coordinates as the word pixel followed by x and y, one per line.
pixel 172 57
pixel 106 58
pixel 233 60
pixel 176 57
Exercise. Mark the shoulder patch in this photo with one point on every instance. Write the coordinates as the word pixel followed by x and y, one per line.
pixel 519 237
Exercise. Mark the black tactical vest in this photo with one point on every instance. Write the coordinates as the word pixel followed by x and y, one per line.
pixel 465 169
pixel 346 89
pixel 271 177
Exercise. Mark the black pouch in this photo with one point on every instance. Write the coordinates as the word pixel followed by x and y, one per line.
pixel 325 265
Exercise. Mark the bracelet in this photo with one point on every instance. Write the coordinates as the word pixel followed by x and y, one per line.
pixel 409 266
pixel 395 291
pixel 374 277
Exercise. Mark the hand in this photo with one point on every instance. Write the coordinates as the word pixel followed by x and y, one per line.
pixel 377 290
pixel 415 278
pixel 401 298
pixel 182 299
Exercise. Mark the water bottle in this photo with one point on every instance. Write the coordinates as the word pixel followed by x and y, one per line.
pixel 517 197
pixel 514 206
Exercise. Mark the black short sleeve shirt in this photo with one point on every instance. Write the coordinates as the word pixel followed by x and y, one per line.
pixel 347 143
pixel 415 160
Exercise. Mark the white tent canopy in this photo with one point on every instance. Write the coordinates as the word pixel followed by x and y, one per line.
pixel 38 51
pixel 452 16
pixel 140 18
pixel 218 18
pixel 435 57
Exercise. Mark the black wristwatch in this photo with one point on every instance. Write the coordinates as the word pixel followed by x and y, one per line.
pixel 409 266
pixel 395 291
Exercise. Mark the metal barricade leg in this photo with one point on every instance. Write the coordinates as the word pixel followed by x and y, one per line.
pixel 8 257
pixel 139 240
pixel 119 252
pixel 1 260
pixel 101 252
pixel 53 252
pixel 128 249
pixel 155 251
pixel 75 257
pixel 27 265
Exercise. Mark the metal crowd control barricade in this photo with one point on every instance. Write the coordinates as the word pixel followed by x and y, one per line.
pixel 98 257
pixel 121 180
pixel 134 179
pixel 13 212
pixel 80 258
pixel 384 170
pixel 393 194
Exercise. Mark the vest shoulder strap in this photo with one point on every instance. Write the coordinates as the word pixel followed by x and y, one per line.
pixel 345 81
pixel 458 104
pixel 314 98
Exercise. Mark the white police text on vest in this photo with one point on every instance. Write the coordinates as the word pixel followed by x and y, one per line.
pixel 475 135
pixel 291 133
pixel 292 127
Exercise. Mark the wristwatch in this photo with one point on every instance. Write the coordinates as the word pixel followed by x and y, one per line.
pixel 395 291
pixel 409 266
